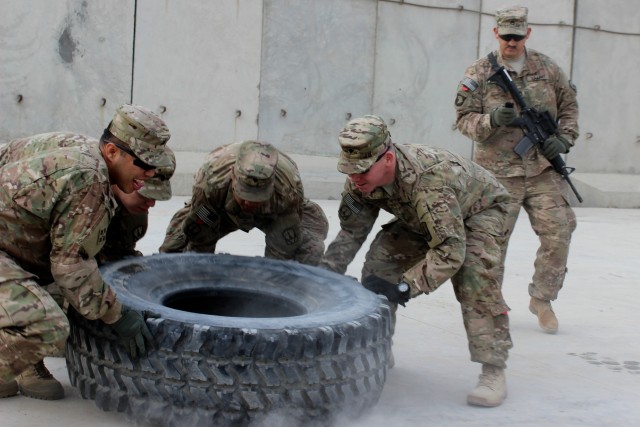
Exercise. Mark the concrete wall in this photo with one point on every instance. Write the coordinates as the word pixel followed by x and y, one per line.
pixel 64 65
pixel 292 72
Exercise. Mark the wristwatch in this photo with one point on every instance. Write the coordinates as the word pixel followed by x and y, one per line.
pixel 403 287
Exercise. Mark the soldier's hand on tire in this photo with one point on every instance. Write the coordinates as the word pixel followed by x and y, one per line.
pixel 133 333
pixel 554 146
pixel 395 293
pixel 502 116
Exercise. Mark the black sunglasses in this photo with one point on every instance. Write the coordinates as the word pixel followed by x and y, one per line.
pixel 136 160
pixel 509 37
pixel 381 155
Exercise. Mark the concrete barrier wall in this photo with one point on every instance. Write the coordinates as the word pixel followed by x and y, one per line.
pixel 293 72
pixel 64 65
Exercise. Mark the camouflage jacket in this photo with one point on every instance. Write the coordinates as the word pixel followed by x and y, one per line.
pixel 214 205
pixel 436 194
pixel 543 85
pixel 125 229
pixel 55 205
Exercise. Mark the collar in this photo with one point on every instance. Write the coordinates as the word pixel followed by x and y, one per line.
pixel 405 171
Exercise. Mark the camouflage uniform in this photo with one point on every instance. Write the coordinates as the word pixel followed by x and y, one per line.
pixel 55 203
pixel 55 206
pixel 295 228
pixel 126 229
pixel 449 220
pixel 531 181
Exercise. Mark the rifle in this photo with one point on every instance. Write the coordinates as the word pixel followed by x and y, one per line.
pixel 536 126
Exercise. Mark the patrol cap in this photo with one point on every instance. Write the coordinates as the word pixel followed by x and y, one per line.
pixel 159 187
pixel 254 171
pixel 143 131
pixel 362 141
pixel 512 20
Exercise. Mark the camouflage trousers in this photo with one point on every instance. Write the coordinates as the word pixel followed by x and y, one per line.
pixel 395 249
pixel 544 199
pixel 32 326
pixel 314 229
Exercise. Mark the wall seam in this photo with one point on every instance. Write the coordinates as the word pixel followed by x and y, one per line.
pixel 262 42
pixel 375 54
pixel 573 37
pixel 133 50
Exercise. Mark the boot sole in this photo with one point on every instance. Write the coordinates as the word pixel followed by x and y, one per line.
pixel 484 403
pixel 10 392
pixel 54 396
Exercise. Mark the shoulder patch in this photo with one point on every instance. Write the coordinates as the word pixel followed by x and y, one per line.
pixel 469 85
pixel 354 205
pixel 206 216
pixel 97 237
pixel 429 229
pixel 290 236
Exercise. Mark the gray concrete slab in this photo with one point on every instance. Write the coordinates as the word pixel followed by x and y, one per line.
pixel 586 375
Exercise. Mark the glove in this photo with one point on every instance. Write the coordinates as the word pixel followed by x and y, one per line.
pixel 555 145
pixel 502 116
pixel 396 294
pixel 132 332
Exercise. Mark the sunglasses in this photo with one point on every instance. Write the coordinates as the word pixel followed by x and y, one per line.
pixel 509 37
pixel 378 158
pixel 136 160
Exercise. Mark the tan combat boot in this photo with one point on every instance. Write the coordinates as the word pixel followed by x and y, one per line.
pixel 9 389
pixel 546 317
pixel 37 382
pixel 491 389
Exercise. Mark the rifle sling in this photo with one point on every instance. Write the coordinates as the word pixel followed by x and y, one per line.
pixel 493 61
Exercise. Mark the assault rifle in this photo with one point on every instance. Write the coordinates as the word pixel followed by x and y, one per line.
pixel 536 126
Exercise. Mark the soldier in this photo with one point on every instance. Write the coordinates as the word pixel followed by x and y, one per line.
pixel 448 224
pixel 245 185
pixel 484 116
pixel 131 219
pixel 128 225
pixel 55 205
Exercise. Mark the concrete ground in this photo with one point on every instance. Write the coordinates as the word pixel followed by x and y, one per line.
pixel 586 375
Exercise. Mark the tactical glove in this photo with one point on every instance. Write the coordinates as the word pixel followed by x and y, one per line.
pixel 395 293
pixel 502 116
pixel 133 333
pixel 555 145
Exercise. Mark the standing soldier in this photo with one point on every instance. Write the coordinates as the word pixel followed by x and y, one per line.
pixel 485 114
pixel 131 218
pixel 55 205
pixel 448 224
pixel 245 185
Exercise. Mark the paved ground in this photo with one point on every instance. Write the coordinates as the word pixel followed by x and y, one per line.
pixel 586 375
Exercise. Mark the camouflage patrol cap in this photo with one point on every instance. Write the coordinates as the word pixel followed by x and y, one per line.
pixel 254 171
pixel 143 131
pixel 362 141
pixel 512 20
pixel 159 187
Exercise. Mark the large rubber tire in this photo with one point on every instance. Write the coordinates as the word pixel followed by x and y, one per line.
pixel 238 339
